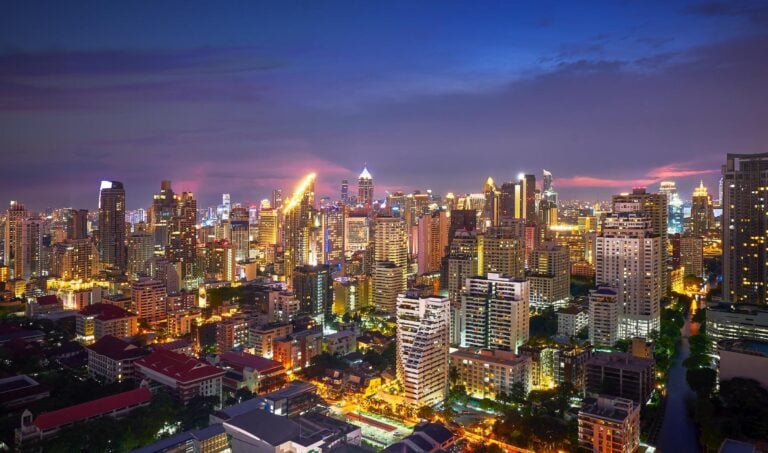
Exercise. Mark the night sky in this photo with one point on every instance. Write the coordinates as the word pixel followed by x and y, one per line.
pixel 243 97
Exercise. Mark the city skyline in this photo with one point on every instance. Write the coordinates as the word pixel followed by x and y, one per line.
pixel 254 99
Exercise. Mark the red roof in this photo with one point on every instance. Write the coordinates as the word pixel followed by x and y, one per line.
pixel 50 299
pixel 177 366
pixel 95 408
pixel 241 360
pixel 116 349
pixel 105 312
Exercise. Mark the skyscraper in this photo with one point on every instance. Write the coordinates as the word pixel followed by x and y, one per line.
pixel 491 209
pixel 745 228
pixel 528 199
pixel 365 188
pixel 702 215
pixel 141 246
pixel 496 312
pixel 422 347
pixel 345 191
pixel 112 225
pixel 388 283
pixel 77 224
pixel 182 248
pixel 13 249
pixel 503 251
pixel 627 259
pixel 162 211
pixel 313 287
pixel 390 240
pixel 550 276
pixel 298 215
pixel 548 188
pixel 432 241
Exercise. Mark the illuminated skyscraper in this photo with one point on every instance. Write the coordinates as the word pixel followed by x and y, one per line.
pixel 432 241
pixel 491 209
pixel 550 276
pixel 224 209
pixel 365 188
pixel 627 259
pixel 528 199
pixel 548 188
pixel 503 252
pixel 141 247
pixel 183 238
pixel 76 259
pixel 345 191
pixel 422 347
pixel 161 215
pixel 702 214
pixel 388 283
pixel 333 222
pixel 313 287
pixel 32 245
pixel 745 228
pixel 112 225
pixel 13 249
pixel 267 233
pixel 390 240
pixel 299 213
pixel 674 207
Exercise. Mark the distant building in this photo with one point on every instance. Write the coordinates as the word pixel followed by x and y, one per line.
pixel 619 374
pixel 608 424
pixel 488 373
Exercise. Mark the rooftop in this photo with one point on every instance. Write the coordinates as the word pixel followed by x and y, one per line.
pixel 273 429
pixel 488 355
pixel 242 359
pixel 179 366
pixel 48 300
pixel 293 389
pixel 92 408
pixel 615 409
pixel 622 360
pixel 106 312
pixel 744 346
pixel 116 349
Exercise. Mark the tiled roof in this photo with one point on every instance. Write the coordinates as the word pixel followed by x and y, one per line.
pixel 180 367
pixel 105 312
pixel 93 408
pixel 242 359
pixel 48 300
pixel 116 349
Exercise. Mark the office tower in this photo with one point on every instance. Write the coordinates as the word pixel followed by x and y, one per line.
pixel 489 373
pixel 148 296
pixel 550 276
pixel 74 259
pixel 496 312
pixel 267 232
pixel 365 188
pixel 620 374
pixel 527 200
pixel 217 260
pixel 13 249
pixel 183 238
pixel 161 214
pixel 77 224
pixel 702 215
pixel 277 199
pixel 507 201
pixel 465 259
pixel 390 241
pixel 112 225
pixel 609 424
pixel 313 287
pixel 745 228
pixel 627 258
pixel 225 208
pixel 422 347
pixel 240 234
pixel 604 311
pixel 345 191
pixel 654 206
pixel 503 251
pixel 491 208
pixel 388 283
pixel 432 241
pixel 298 215
pixel 333 221
pixel 356 233
pixel 548 188
pixel 141 247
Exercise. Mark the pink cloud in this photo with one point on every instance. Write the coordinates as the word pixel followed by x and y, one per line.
pixel 652 176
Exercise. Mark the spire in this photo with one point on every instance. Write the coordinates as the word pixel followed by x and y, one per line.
pixel 365 174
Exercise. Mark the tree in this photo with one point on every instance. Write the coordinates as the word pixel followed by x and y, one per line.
pixel 700 316
pixel 517 393
pixel 453 375
pixel 426 412
pixel 701 380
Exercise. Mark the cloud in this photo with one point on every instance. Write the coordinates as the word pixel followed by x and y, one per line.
pixel 655 175
pixel 755 11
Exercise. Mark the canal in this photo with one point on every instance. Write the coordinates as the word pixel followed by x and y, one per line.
pixel 678 432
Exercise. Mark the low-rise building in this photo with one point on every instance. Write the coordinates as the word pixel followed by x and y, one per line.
pixel 743 359
pixel 185 376
pixel 296 350
pixel 211 439
pixel 43 305
pixel 608 424
pixel 232 333
pixel 295 398
pixel 731 322
pixel 111 359
pixel 20 390
pixel 571 319
pixel 98 320
pixel 488 373
pixel 255 373
pixel 620 374
pixel 427 437
pixel 261 338
pixel 340 343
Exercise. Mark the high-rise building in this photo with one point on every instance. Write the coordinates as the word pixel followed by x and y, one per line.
pixel 620 374
pixel 32 248
pixel 608 424
pixel 267 232
pixel 654 206
pixel 745 228
pixel 313 287
pixel 503 251
pixel 465 260
pixel 182 249
pixel 550 275
pixel 161 214
pixel 13 246
pixel 489 373
pixel 356 233
pixel 345 191
pixel 74 259
pixel 491 209
pixel 365 188
pixel 298 215
pixel 333 222
pixel 112 225
pixel 149 299
pixel 604 313
pixel 388 283
pixel 390 240
pixel 702 214
pixel 528 199
pixel 496 312
pixel 225 208
pixel 77 224
pixel 691 255
pixel 422 347
pixel 432 241
pixel 141 247
pixel 548 188
pixel 627 259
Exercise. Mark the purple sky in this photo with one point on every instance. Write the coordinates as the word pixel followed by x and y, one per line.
pixel 248 97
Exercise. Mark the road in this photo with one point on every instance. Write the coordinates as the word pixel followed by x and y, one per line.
pixel 678 432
